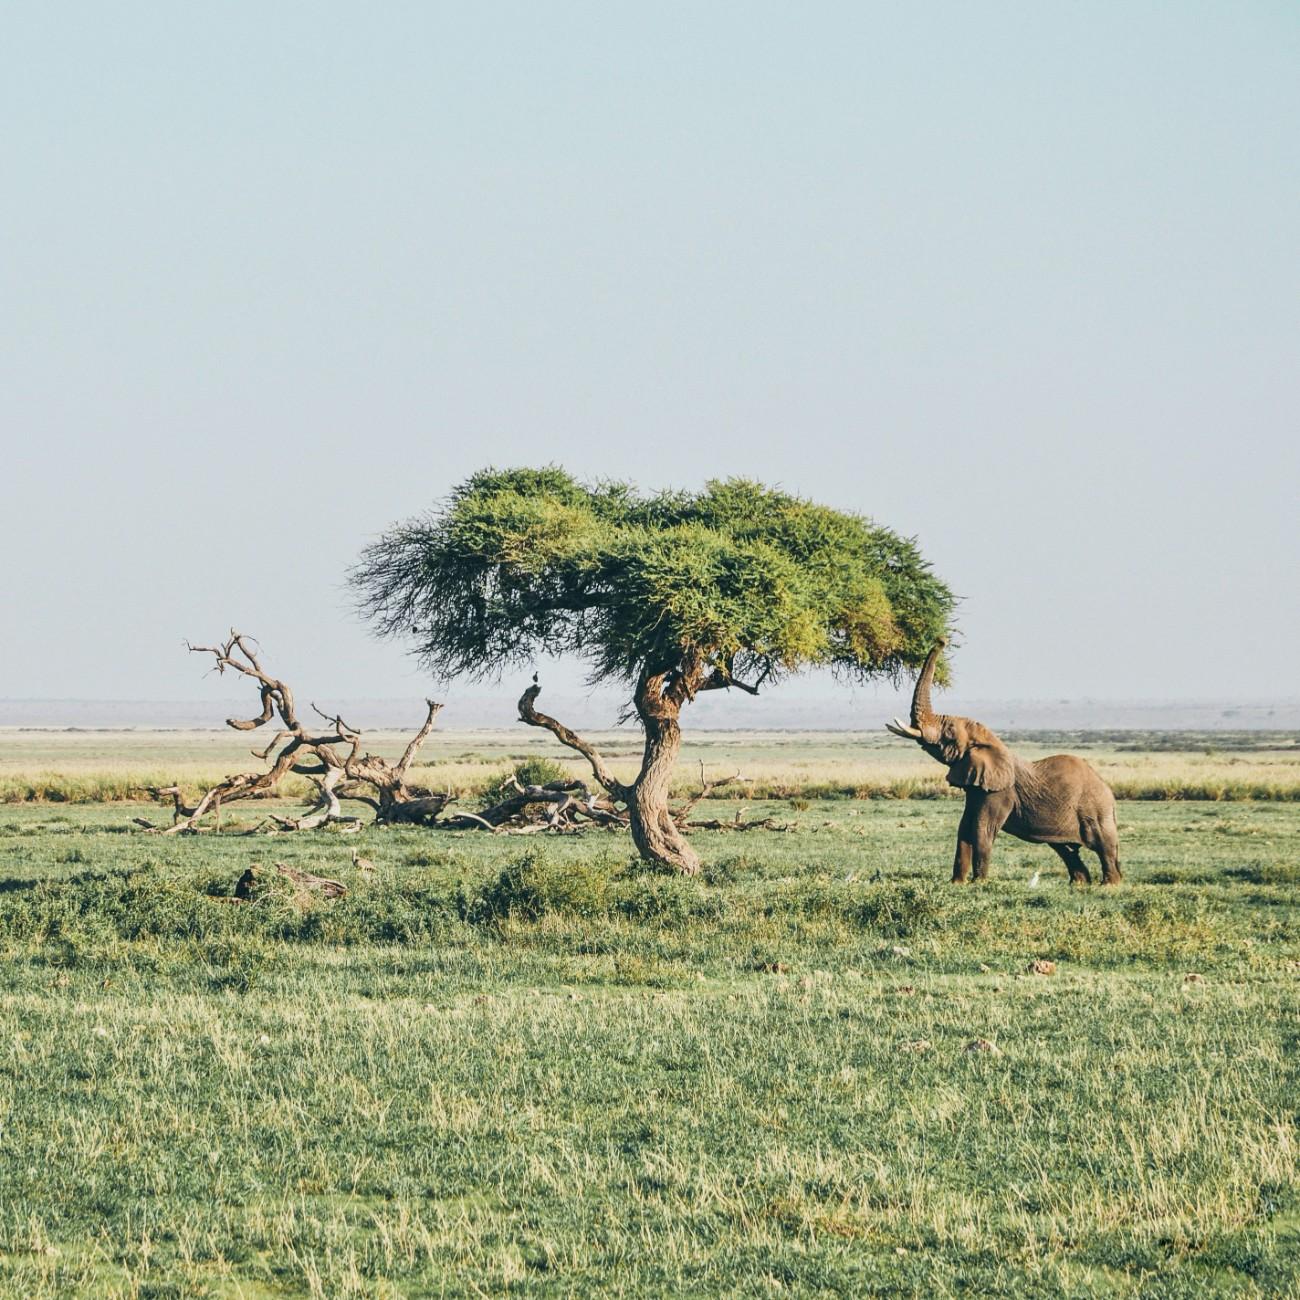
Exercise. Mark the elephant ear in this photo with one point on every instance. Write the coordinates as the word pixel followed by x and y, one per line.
pixel 986 764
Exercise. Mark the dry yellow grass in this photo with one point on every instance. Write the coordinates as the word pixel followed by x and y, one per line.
pixel 83 766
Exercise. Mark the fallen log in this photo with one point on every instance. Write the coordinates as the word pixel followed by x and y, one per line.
pixel 254 881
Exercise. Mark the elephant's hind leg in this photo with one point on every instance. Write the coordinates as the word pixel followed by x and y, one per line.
pixel 1074 864
pixel 1103 840
pixel 1107 849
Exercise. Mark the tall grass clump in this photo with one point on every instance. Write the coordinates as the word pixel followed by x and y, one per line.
pixel 113 786
pixel 537 885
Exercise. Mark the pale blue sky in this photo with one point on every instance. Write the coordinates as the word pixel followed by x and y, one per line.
pixel 1021 279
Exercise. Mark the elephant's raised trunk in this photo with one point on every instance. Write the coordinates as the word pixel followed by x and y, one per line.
pixel 921 710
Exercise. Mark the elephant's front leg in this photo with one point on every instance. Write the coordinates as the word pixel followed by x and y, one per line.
pixel 982 853
pixel 980 823
pixel 968 854
pixel 961 864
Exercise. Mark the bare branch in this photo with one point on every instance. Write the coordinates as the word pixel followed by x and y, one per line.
pixel 474 817
pixel 413 748
pixel 264 754
pixel 250 724
pixel 340 726
pixel 707 787
pixel 559 793
pixel 721 680
pixel 318 757
pixel 275 695
pixel 528 713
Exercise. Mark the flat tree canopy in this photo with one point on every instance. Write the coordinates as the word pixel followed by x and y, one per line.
pixel 672 593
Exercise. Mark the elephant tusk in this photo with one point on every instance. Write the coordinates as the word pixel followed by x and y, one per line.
pixel 900 728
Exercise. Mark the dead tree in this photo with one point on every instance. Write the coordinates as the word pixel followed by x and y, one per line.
pixel 682 815
pixel 332 760
pixel 559 795
pixel 392 796
pixel 567 803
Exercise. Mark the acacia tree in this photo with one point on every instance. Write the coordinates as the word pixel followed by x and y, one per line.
pixel 671 595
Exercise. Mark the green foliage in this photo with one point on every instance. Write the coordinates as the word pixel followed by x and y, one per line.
pixel 536 885
pixel 532 771
pixel 743 577
pixel 93 909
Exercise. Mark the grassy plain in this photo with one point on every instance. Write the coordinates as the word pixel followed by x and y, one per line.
pixel 97 766
pixel 501 1066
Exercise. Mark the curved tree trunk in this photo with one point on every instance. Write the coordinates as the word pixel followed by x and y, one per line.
pixel 658 700
pixel 657 836
pixel 654 832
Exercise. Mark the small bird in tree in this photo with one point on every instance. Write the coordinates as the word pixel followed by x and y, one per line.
pixel 360 863
pixel 671 595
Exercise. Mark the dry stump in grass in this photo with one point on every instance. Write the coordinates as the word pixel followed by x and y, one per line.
pixel 306 887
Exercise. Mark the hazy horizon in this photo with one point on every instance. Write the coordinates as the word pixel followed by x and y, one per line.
pixel 1018 280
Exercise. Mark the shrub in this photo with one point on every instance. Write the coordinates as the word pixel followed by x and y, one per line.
pixel 897 910
pixel 892 911
pixel 532 771
pixel 137 905
pixel 533 886
pixel 660 899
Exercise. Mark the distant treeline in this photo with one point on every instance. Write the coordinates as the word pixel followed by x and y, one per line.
pixel 1164 742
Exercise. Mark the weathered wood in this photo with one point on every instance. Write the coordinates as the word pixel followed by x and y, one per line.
pixel 305 880
pixel 332 760
pixel 254 881
pixel 528 713
pixel 707 787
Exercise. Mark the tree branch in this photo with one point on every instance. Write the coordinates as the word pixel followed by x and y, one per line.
pixel 294 749
pixel 528 713
pixel 344 731
pixel 707 787
pixel 721 680
pixel 413 748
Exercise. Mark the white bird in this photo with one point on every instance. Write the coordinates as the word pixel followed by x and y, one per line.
pixel 361 864
pixel 1033 880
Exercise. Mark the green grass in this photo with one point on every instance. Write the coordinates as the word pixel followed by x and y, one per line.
pixel 507 1066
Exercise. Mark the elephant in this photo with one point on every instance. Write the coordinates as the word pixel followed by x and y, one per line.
pixel 1058 801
